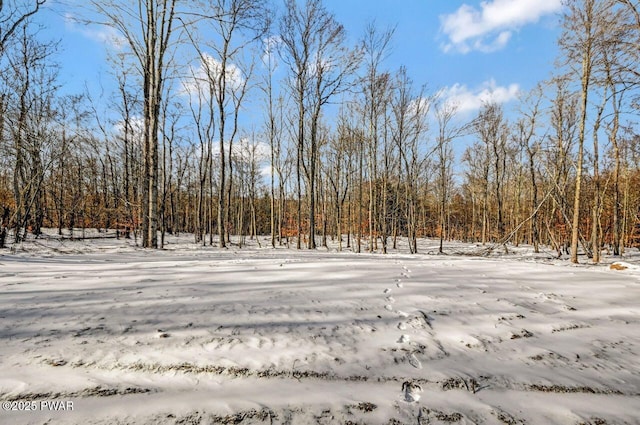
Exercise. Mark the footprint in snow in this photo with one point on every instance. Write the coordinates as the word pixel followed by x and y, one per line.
pixel 413 361
pixel 391 300
pixel 404 339
pixel 399 284
pixel 386 291
pixel 402 313
pixel 388 307
pixel 402 326
pixel 162 334
pixel 411 391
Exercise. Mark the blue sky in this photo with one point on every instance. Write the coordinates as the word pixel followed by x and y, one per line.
pixel 469 47
pixel 472 49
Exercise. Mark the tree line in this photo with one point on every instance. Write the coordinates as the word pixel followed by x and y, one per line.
pixel 345 150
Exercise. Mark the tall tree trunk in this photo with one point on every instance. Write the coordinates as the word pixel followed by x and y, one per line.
pixel 584 97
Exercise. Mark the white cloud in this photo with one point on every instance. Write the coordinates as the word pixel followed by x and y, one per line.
pixel 209 70
pixel 468 100
pixel 247 149
pixel 490 28
pixel 266 171
pixel 420 105
pixel 136 126
pixel 102 34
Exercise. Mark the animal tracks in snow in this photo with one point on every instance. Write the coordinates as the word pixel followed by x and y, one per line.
pixel 410 390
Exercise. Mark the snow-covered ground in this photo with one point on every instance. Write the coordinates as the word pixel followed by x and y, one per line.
pixel 192 335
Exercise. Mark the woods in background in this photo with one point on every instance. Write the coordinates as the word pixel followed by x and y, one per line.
pixel 345 149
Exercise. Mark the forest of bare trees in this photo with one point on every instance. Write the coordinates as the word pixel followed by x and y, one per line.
pixel 345 149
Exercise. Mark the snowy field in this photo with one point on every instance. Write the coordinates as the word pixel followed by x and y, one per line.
pixel 188 335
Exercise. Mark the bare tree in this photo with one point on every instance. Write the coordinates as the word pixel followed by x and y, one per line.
pixel 237 24
pixel 525 134
pixel 273 129
pixel 71 119
pixel 410 108
pixel 615 81
pixel 561 142
pixel 126 102
pixel 340 161
pixel 32 86
pixel 596 206
pixel 620 58
pixel 491 129
pixel 201 105
pixel 320 66
pixel 147 27
pixel 375 87
pixel 478 160
pixel 585 24
pixel 13 14
pixel 445 112
pixel 170 139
